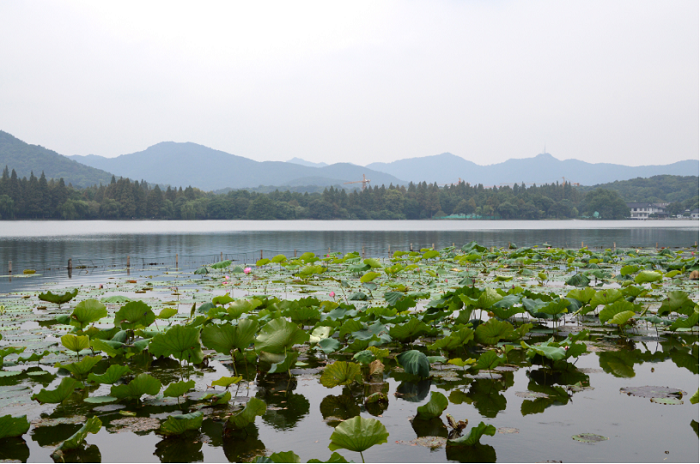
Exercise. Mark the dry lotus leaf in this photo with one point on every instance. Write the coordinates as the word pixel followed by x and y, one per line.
pixel 508 430
pixel 135 424
pixel 531 395
pixel 667 401
pixel 428 442
pixel 653 392
pixel 50 422
pixel 376 367
pixel 589 438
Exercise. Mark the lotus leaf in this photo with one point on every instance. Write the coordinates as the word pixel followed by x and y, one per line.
pixel 13 426
pixel 142 384
pixel 221 264
pixel 177 389
pixel 62 391
pixel 433 408
pixel 111 376
pixel 583 295
pixel 488 360
pixel 216 399
pixel 373 263
pixel 75 343
pixel 226 381
pixel 167 313
pixel 607 296
pixel 694 398
pixel 475 434
pixel 648 276
pixel 279 335
pixel 411 330
pixel 93 425
pixel 284 365
pixel 134 315
pixel 620 306
pixel 319 333
pixel 685 322
pixel 629 269
pixel 677 301
pixel 225 337
pixel 58 299
pixel 81 368
pixel 287 456
pixel 555 353
pixel 369 277
pixel 358 434
pixel 181 423
pixel 493 331
pixel 414 362
pixel 454 340
pixel 329 345
pixel 246 416
pixel 341 373
pixel 179 341
pixel 87 311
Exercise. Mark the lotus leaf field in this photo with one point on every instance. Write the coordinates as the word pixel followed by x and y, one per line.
pixel 461 354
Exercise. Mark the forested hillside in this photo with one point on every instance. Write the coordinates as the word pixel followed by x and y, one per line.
pixel 124 199
pixel 657 189
pixel 25 159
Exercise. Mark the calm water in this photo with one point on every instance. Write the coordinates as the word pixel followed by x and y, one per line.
pixel 101 246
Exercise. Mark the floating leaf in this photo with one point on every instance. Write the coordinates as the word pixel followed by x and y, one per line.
pixel 475 434
pixel 58 299
pixel 81 368
pixel 142 384
pixel 13 426
pixel 414 362
pixel 653 392
pixel 177 389
pixel 589 438
pixel 62 391
pixel 226 381
pixel 648 276
pixel 93 425
pixel 254 407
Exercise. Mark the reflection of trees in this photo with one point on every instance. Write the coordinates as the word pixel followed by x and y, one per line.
pixel 14 449
pixel 477 453
pixel 182 448
pixel 340 406
pixel 242 444
pixel 276 391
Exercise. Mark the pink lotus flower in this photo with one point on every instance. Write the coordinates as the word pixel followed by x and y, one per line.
pixel 226 277
pixel 332 294
pixel 247 270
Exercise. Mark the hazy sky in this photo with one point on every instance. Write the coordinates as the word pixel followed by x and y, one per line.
pixel 601 81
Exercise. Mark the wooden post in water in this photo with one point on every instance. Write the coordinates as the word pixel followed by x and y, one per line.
pixel 9 267
pixel 329 250
pixel 177 260
pixel 614 246
pixel 222 256
pixel 581 244
pixel 295 253
pixel 411 247
pixel 70 263
pixel 260 254
pixel 433 246
pixel 363 252
pixel 128 261
pixel 657 245
pixel 389 251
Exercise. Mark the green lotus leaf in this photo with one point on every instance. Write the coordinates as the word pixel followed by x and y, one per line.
pixel 226 337
pixel 81 368
pixel 142 384
pixel 364 357
pixel 226 381
pixel 181 423
pixel 240 420
pixel 283 366
pixel 430 254
pixel 179 341
pixel 222 299
pixel 31 358
pixel 607 296
pixel 13 426
pixel 648 276
pixel 620 306
pixel 578 280
pixel 627 270
pixel 216 399
pixel 305 315
pixel 685 322
pixel 414 362
pixel 475 434
pixel 410 331
pixel 335 457
pixel 341 373
pixel 167 313
pixel 329 345
pixel 60 393
pixel 373 263
pixel 493 331
pixel 622 318
pixel 100 399
pixel 454 340
pixel 92 425
pixel 279 259
pixel 555 353
pixel 75 342
pixel 488 360
pixel 433 408
pixel 221 264
pixel 583 295
pixel 369 277
pixel 358 434
pixel 279 335
pixel 177 389
pixel 87 311
pixel 488 298
pixel 461 362
pixel 58 299
pixel 110 347
pixel 134 315
pixel 111 375
pixel 262 262
pixel 202 271
pixel 677 301
pixel 694 398
pixel 240 307
pixel 348 327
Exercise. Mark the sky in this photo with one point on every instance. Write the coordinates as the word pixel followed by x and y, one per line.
pixel 360 82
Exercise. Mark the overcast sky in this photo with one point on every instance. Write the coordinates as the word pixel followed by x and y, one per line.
pixel 600 81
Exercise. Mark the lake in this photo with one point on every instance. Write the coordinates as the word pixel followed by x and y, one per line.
pixel 46 246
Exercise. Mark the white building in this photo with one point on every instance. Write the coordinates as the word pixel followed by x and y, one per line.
pixel 643 210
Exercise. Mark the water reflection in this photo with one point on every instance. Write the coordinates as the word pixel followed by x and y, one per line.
pixel 182 448
pixel 243 444
pixel 284 408
pixel 477 453
pixel 14 449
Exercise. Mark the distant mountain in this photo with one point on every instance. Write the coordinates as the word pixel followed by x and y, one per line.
pixel 183 164
pixel 25 158
pixel 544 168
pixel 306 163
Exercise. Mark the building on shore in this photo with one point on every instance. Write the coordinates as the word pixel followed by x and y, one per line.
pixel 643 210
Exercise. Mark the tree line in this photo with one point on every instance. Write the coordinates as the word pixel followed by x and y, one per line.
pixel 37 198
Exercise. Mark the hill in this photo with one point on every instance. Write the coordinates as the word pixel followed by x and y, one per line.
pixel 25 158
pixel 655 189
pixel 190 164
pixel 544 168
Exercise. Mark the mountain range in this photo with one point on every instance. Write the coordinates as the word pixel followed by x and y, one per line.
pixel 190 164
